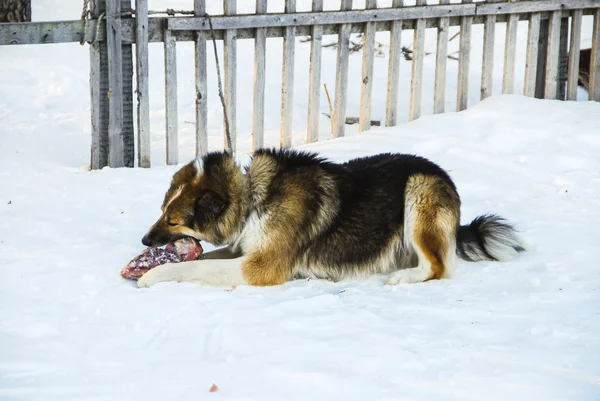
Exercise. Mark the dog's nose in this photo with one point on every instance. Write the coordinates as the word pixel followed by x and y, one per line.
pixel 146 240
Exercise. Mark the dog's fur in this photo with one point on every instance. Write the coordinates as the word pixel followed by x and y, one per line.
pixel 295 215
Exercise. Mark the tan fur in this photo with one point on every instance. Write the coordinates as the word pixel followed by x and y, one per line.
pixel 431 219
pixel 273 231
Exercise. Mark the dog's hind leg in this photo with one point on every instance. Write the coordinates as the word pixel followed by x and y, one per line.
pixel 431 219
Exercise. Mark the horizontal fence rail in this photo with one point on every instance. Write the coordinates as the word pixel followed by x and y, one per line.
pixel 555 64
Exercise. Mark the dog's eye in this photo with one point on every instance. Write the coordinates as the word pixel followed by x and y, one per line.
pixel 172 224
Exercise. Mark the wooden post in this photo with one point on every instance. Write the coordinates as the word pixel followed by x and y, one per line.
pixel 531 60
pixel 111 89
pixel 573 69
pixel 201 85
pixel 230 61
pixel 487 68
pixel 341 77
pixel 260 45
pixel 594 86
pixel 552 56
pixel 127 73
pixel 287 81
pixel 391 107
pixel 143 103
pixel 366 88
pixel 116 143
pixel 464 56
pixel 510 47
pixel 441 57
pixel 171 97
pixel 540 75
pixel 15 11
pixel 99 99
pixel 563 59
pixel 416 83
pixel 314 85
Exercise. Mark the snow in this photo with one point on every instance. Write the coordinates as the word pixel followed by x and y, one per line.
pixel 72 329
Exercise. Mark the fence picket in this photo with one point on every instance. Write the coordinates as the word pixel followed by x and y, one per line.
pixel 531 59
pixel 573 69
pixel 287 90
pixel 143 105
pixel 201 86
pixel 341 77
pixel 441 57
pixel 510 48
pixel 230 78
pixel 258 118
pixel 314 85
pixel 552 56
pixel 487 68
pixel 594 85
pixel 116 146
pixel 171 97
pixel 366 89
pixel 462 95
pixel 391 104
pixel 416 83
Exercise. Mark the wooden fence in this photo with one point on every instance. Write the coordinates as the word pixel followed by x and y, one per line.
pixel 552 62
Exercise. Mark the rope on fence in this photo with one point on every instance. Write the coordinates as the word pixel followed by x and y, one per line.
pixel 86 12
pixel 227 133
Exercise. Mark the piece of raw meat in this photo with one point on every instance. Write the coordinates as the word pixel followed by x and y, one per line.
pixel 182 250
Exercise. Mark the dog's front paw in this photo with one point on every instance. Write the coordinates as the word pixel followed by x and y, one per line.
pixel 160 274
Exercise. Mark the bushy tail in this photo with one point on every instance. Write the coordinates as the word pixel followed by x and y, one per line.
pixel 488 237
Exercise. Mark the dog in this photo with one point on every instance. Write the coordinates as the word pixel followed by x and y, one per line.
pixel 291 214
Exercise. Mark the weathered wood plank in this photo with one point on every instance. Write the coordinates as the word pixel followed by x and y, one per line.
pixel 366 88
pixel 487 69
pixel 321 18
pixel 99 157
pixel 287 85
pixel 143 103
pixel 552 57
pixel 200 57
pixel 260 44
pixel 314 85
pixel 26 33
pixel 441 57
pixel 534 6
pixel 416 83
pixel 573 68
pixel 99 98
pixel 341 77
pixel 391 104
pixel 464 56
pixel 70 31
pixel 116 152
pixel 171 98
pixel 531 59
pixel 510 48
pixel 594 88
pixel 563 59
pixel 230 85
pixel 540 75
pixel 384 14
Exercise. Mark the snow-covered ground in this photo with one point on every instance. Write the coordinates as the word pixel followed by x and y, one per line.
pixel 72 329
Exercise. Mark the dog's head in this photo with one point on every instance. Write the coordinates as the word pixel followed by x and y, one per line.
pixel 207 200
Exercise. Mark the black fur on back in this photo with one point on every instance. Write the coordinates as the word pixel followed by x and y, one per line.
pixel 371 192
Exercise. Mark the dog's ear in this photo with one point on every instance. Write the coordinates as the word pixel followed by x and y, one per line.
pixel 209 202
